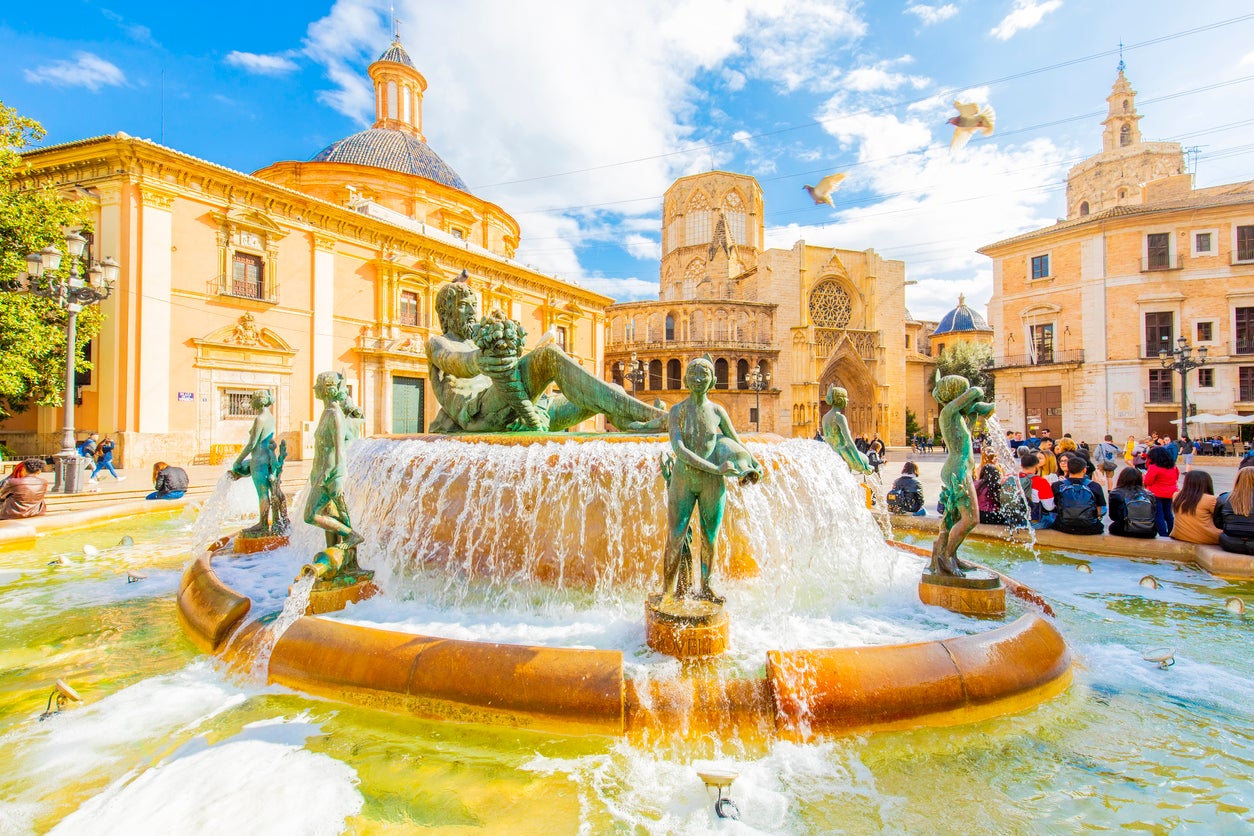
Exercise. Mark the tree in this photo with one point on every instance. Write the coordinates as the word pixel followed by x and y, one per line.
pixel 913 427
pixel 970 360
pixel 32 329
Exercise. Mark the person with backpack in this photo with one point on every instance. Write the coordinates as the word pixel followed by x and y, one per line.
pixel 1132 508
pixel 906 494
pixel 1036 491
pixel 1194 510
pixel 988 492
pixel 1161 479
pixel 1079 502
pixel 1234 514
pixel 1106 456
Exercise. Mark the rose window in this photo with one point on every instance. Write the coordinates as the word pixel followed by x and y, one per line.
pixel 830 306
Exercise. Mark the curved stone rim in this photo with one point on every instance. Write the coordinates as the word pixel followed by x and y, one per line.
pixel 805 693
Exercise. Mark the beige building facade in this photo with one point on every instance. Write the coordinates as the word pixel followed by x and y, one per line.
pixel 1081 309
pixel 808 316
pixel 233 282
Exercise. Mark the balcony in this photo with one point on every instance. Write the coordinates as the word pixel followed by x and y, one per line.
pixel 1161 395
pixel 1074 357
pixel 1238 347
pixel 1153 264
pixel 254 289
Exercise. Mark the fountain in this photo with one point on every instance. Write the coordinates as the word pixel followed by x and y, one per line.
pixel 511 569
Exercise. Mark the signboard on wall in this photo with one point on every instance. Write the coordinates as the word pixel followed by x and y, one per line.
pixel 187 397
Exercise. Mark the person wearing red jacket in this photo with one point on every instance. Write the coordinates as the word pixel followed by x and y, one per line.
pixel 1161 479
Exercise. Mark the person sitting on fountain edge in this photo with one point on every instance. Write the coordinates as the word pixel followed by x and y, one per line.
pixel 1080 502
pixel 906 494
pixel 170 482
pixel 495 389
pixel 22 494
pixel 1132 507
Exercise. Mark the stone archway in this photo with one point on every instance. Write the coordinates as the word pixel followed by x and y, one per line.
pixel 846 369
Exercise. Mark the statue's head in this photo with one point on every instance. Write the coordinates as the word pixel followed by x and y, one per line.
pixel 329 386
pixel 837 397
pixel 699 376
pixel 457 307
pixel 261 399
pixel 949 387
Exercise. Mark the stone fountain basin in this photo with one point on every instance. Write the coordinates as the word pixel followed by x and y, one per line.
pixel 804 693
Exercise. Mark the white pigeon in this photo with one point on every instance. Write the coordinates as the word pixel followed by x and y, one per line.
pixel 822 193
pixel 971 118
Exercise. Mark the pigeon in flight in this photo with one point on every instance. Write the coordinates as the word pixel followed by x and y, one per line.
pixel 971 118
pixel 822 193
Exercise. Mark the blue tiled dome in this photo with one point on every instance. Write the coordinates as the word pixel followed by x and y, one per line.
pixel 396 53
pixel 961 318
pixel 393 150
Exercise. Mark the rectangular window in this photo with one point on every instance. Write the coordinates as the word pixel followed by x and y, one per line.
pixel 1159 332
pixel 1158 251
pixel 1206 378
pixel 1040 266
pixel 238 403
pixel 561 337
pixel 1244 331
pixel 1204 243
pixel 409 308
pixel 753 415
pixel 1205 332
pixel 248 276
pixel 1160 386
pixel 1245 243
pixel 1043 342
pixel 1245 375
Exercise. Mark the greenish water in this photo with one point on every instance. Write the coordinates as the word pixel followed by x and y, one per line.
pixel 166 742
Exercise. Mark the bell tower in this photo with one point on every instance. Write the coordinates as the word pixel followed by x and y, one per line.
pixel 1122 126
pixel 398 89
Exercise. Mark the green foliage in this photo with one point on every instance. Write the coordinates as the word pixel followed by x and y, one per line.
pixel 32 329
pixel 970 360
pixel 913 427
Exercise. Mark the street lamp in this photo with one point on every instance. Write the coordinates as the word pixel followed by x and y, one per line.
pixel 633 371
pixel 72 293
pixel 758 380
pixel 1181 360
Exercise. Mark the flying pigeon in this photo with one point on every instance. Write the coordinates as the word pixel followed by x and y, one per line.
pixel 822 193
pixel 971 118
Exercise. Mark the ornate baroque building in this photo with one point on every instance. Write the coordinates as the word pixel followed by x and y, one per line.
pixel 232 282
pixel 1081 309
pixel 807 316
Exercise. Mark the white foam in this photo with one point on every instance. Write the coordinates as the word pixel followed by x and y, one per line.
pixel 261 781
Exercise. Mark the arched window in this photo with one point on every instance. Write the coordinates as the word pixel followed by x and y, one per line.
pixel 720 373
pixel 1125 135
pixel 616 330
pixel 655 374
pixel 1084 208
pixel 699 223
pixel 734 211
pixel 616 371
pixel 742 374
pixel 1123 193
pixel 674 375
pixel 670 327
pixel 392 103
pixel 697 327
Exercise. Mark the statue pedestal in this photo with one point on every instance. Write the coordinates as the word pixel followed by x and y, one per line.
pixel 686 628
pixel 335 594
pixel 246 543
pixel 979 592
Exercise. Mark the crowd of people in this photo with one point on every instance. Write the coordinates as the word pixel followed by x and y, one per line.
pixel 1145 488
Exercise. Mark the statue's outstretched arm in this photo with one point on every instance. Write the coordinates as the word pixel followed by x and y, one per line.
pixel 455 358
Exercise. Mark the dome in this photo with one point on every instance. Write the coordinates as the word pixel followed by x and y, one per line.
pixel 961 318
pixel 396 53
pixel 393 150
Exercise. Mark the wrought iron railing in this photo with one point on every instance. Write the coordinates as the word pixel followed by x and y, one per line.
pixel 237 288
pixel 1041 358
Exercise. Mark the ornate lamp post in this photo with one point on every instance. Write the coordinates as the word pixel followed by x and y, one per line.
pixel 633 371
pixel 72 293
pixel 1181 360
pixel 758 380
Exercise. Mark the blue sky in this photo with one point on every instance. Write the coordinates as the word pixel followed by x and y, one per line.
pixel 576 116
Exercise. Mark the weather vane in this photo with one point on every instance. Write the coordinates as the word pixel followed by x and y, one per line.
pixel 1122 65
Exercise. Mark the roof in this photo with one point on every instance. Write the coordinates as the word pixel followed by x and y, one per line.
pixel 1231 194
pixel 961 318
pixel 393 150
pixel 397 54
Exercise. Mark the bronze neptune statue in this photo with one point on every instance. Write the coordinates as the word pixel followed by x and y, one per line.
pixel 485 383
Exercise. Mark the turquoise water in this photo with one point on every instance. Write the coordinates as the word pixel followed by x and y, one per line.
pixel 166 742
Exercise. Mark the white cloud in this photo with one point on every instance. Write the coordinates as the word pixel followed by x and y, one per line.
pixel 261 64
pixel 879 77
pixel 86 70
pixel 930 15
pixel 622 290
pixel 642 246
pixel 793 43
pixel 1025 15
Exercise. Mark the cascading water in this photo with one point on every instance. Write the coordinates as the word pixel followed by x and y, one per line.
pixel 1008 464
